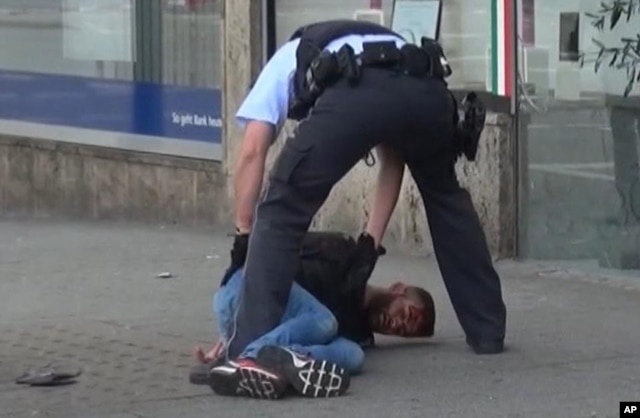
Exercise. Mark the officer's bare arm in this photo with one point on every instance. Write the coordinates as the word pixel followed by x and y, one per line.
pixel 387 191
pixel 249 171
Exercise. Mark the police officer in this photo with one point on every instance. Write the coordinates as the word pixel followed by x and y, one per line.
pixel 355 86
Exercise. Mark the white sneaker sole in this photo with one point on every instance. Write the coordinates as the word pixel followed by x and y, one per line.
pixel 310 378
pixel 251 382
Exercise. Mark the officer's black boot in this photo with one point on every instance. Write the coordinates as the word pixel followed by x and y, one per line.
pixel 486 347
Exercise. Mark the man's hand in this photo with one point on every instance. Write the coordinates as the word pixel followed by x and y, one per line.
pixel 387 191
pixel 216 352
pixel 212 355
pixel 238 255
pixel 249 172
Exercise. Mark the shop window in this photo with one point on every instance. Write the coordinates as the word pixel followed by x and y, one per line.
pixel 466 31
pixel 133 74
pixel 580 134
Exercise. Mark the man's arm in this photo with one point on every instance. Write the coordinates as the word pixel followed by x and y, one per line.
pixel 369 248
pixel 387 191
pixel 249 171
pixel 262 113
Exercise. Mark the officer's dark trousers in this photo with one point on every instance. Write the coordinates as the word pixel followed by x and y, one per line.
pixel 414 115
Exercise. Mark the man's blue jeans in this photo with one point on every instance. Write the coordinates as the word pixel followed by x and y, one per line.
pixel 307 327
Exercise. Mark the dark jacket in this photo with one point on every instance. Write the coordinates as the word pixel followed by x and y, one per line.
pixel 325 260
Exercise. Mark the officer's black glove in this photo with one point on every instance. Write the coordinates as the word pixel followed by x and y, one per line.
pixel 362 263
pixel 238 256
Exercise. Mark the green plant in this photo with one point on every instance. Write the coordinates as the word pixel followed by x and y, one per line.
pixel 626 55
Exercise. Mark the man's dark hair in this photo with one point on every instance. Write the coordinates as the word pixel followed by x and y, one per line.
pixel 425 300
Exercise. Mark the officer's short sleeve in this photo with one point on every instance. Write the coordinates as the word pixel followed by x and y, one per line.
pixel 268 99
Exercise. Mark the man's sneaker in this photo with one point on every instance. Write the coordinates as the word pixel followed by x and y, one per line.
pixel 309 377
pixel 246 378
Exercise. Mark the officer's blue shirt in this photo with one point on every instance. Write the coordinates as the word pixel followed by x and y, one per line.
pixel 268 100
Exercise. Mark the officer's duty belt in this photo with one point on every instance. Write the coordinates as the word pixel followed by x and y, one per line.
pixel 410 59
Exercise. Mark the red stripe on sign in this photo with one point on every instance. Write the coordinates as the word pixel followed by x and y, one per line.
pixel 508 47
pixel 375 4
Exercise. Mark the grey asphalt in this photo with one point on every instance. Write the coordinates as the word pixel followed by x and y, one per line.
pixel 87 294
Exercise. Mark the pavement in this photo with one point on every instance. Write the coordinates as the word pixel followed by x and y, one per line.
pixel 87 294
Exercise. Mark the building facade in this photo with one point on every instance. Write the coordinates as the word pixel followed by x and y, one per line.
pixel 579 134
pixel 123 109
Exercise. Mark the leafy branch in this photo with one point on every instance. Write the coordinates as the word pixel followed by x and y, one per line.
pixel 625 56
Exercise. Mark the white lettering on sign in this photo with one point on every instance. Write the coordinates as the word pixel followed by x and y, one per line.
pixel 194 119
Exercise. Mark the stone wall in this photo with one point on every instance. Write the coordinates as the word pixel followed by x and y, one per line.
pixel 52 179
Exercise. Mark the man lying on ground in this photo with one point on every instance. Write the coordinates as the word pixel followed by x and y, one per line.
pixel 328 321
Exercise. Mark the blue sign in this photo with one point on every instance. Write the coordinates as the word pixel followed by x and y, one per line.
pixel 148 109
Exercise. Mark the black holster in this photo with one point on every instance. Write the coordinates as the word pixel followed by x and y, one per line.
pixel 328 67
pixel 469 130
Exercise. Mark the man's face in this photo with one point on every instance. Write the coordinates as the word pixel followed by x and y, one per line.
pixel 398 312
